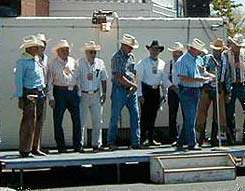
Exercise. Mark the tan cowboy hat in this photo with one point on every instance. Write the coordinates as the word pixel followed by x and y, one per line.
pixel 218 44
pixel 42 37
pixel 155 44
pixel 238 40
pixel 30 41
pixel 199 45
pixel 62 44
pixel 177 47
pixel 91 45
pixel 130 41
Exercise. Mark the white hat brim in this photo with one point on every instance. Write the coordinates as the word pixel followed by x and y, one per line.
pixel 204 50
pixel 136 45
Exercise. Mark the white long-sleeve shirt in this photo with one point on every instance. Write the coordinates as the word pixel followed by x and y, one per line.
pixel 152 72
pixel 62 73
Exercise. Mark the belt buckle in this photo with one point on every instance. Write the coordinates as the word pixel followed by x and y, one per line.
pixel 70 88
pixel 90 92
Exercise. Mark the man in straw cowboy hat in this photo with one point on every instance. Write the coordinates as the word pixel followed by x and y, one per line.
pixel 209 92
pixel 177 51
pixel 29 80
pixel 151 74
pixel 93 76
pixel 236 59
pixel 124 91
pixel 190 81
pixel 63 83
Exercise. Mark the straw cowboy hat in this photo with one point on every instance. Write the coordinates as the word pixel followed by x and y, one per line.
pixel 218 44
pixel 199 45
pixel 42 37
pixel 177 47
pixel 62 44
pixel 238 39
pixel 130 41
pixel 30 41
pixel 91 45
pixel 155 44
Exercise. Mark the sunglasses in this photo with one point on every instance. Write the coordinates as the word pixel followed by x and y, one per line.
pixel 92 52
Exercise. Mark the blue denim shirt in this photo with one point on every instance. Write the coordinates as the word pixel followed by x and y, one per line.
pixel 189 65
pixel 29 74
pixel 122 64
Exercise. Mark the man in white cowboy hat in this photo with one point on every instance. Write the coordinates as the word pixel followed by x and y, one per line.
pixel 190 81
pixel 151 75
pixel 93 77
pixel 63 84
pixel 209 93
pixel 29 80
pixel 124 93
pixel 236 59
pixel 177 51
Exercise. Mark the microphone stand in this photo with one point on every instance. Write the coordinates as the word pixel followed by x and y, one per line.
pixel 220 148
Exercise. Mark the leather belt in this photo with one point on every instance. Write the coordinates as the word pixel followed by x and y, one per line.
pixel 151 87
pixel 90 92
pixel 68 88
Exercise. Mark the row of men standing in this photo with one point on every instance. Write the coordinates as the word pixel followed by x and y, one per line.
pixel 68 80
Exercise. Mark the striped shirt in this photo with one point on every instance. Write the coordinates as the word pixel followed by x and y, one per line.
pixel 122 64
pixel 62 73
pixel 171 70
pixel 189 66
pixel 151 72
pixel 44 64
pixel 28 74
pixel 97 72
pixel 231 60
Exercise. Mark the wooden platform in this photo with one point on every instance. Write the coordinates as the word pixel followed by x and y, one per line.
pixel 11 159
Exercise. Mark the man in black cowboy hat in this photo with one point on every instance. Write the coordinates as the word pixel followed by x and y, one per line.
pixel 151 74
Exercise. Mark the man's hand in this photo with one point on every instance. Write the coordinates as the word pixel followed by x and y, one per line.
pixel 174 88
pixel 227 99
pixel 21 103
pixel 141 99
pixel 133 87
pixel 102 99
pixel 52 103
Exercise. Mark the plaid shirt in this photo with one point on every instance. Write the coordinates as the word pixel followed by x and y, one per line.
pixel 122 64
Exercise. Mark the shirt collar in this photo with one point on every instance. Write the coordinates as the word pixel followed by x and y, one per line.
pixel 27 56
pixel 63 62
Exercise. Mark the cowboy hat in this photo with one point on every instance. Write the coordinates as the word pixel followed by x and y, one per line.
pixel 62 44
pixel 177 47
pixel 30 41
pixel 91 45
pixel 198 45
pixel 42 37
pixel 155 44
pixel 238 39
pixel 218 44
pixel 130 40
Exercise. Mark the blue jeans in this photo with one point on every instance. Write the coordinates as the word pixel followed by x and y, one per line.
pixel 120 97
pixel 189 98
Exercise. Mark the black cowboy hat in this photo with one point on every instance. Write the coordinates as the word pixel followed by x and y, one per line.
pixel 155 44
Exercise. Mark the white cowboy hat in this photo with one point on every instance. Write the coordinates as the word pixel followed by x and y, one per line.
pixel 218 44
pixel 177 47
pixel 62 44
pixel 30 41
pixel 42 37
pixel 199 45
pixel 130 41
pixel 91 45
pixel 238 39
